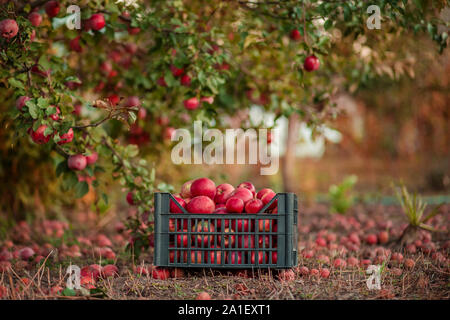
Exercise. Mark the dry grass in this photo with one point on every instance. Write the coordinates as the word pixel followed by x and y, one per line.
pixel 427 279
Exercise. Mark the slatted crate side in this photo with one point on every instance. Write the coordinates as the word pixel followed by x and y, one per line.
pixel 286 235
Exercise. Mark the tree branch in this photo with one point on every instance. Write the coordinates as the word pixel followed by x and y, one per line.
pixel 93 125
pixel 61 151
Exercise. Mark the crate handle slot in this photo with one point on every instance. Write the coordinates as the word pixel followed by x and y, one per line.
pixel 268 204
pixel 171 197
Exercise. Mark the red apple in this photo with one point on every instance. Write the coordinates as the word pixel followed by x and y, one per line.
pixel 196 257
pixel 77 162
pixel 92 158
pixel 161 81
pixel 203 187
pixel 372 239
pixel 229 238
pixel 92 272
pixel 214 256
pixel 37 70
pixel 295 35
pixel 200 204
pixel 106 67
pixel 133 31
pixel 130 198
pixel 179 255
pixel 235 205
pixel 234 257
pixel 133 101
pixel 52 8
pixel 142 113
pixel 191 103
pixel 182 240
pixel 26 253
pixel 8 28
pixel 72 85
pixel 264 225
pixel 253 206
pixel 222 192
pixel 160 273
pixel 246 241
pixel 261 256
pixel 262 192
pixel 249 186
pixel 66 137
pixel 173 206
pixel 109 270
pixel 185 80
pixel 169 132
pixel 267 198
pixel 74 44
pixel 182 225
pixel 21 102
pixel 38 136
pixel 55 116
pixel 186 189
pixel 242 193
pixel 177 72
pixel 114 99
pixel 203 296
pixel 241 225
pixel 32 35
pixel 201 237
pixel 35 19
pixel 97 21
pixel 218 221
pixel 311 63
pixel 264 241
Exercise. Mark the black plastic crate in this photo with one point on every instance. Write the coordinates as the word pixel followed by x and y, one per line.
pixel 223 240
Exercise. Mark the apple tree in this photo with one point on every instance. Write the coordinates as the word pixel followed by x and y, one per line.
pixel 98 101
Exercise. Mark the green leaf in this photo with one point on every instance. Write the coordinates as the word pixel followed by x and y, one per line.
pixel 347 13
pixel 50 111
pixel 32 109
pixel 61 168
pixel 48 131
pixel 131 117
pixel 427 227
pixel 15 83
pixel 81 189
pixel 70 180
pixel 419 4
pixel 434 212
pixel 69 292
pixel 328 24
pixel 43 104
pixel 132 150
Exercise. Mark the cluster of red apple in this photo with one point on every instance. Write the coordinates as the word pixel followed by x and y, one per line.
pixel 311 62
pixel 185 80
pixel 215 233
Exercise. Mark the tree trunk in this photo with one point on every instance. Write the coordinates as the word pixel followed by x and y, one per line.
pixel 288 162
